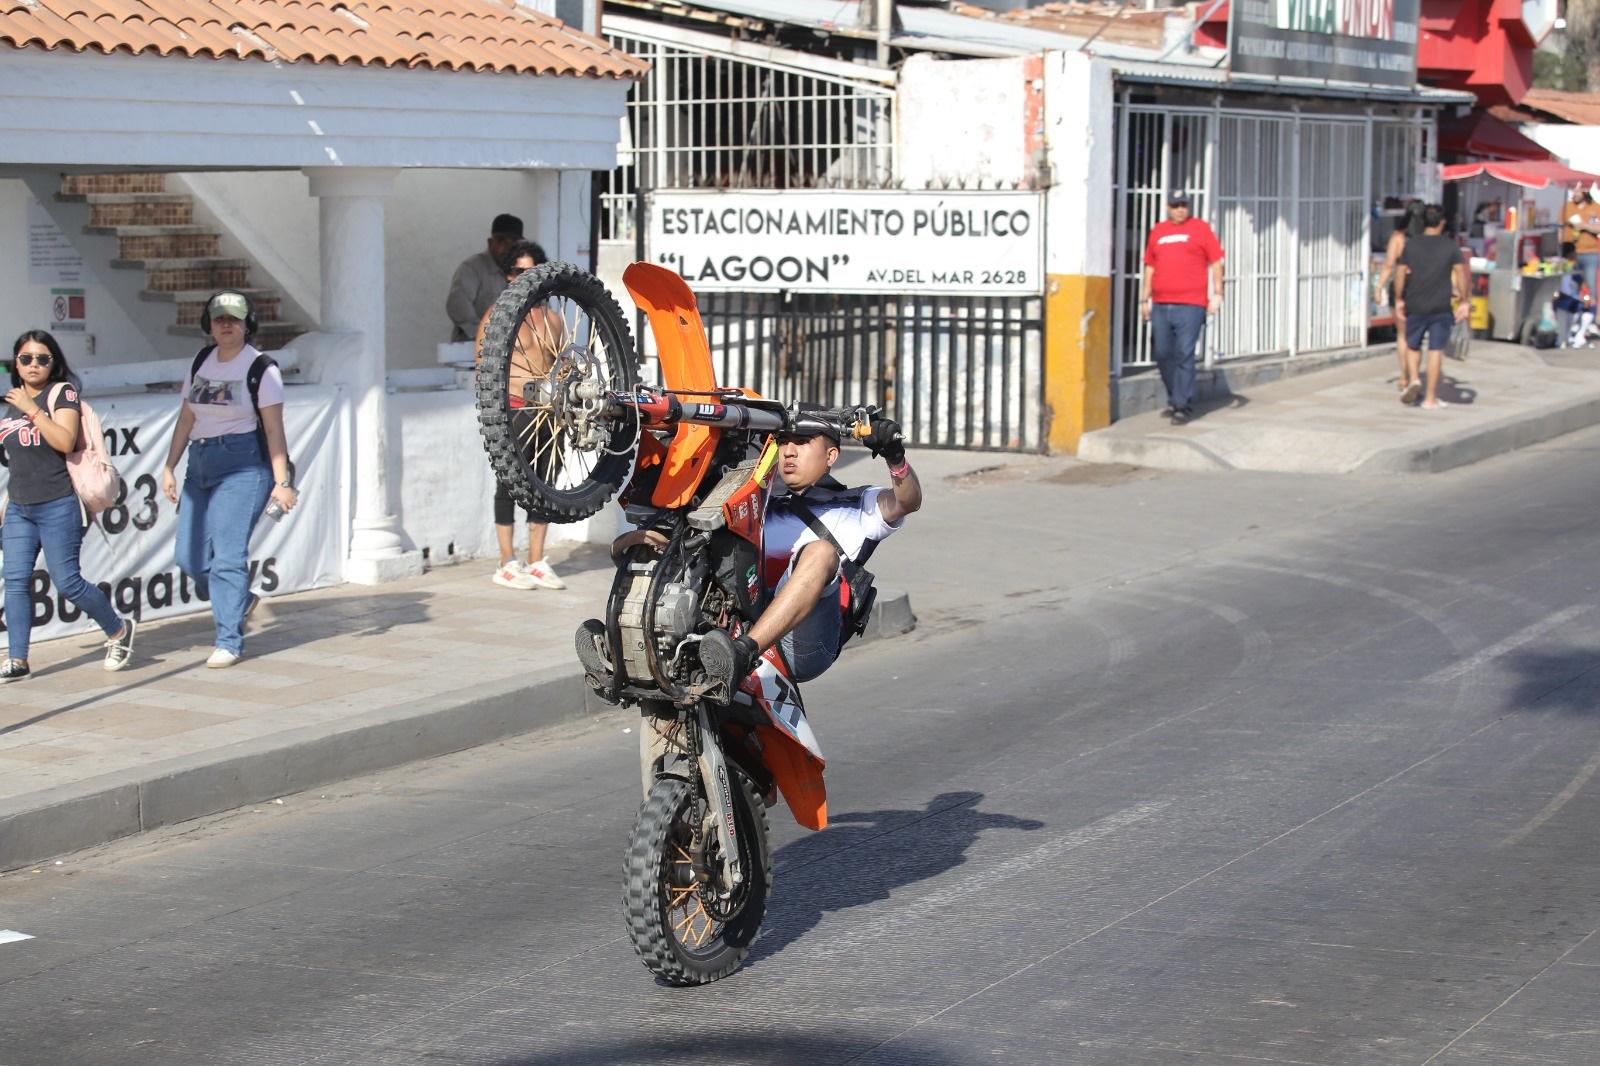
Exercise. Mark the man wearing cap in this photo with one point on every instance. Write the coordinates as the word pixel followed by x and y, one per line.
pixel 1182 283
pixel 805 570
pixel 480 279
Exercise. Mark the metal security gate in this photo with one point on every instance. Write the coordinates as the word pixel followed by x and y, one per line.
pixel 956 372
pixel 1290 198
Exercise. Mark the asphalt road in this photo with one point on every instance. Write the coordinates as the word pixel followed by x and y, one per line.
pixel 1178 770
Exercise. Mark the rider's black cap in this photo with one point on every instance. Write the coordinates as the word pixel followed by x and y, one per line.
pixel 809 422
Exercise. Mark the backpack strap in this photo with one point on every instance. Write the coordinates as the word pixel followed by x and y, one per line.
pixel 857 610
pixel 200 360
pixel 252 382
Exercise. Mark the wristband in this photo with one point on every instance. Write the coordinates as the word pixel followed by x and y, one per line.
pixel 898 472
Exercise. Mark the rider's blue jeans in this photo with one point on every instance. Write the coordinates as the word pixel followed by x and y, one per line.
pixel 813 645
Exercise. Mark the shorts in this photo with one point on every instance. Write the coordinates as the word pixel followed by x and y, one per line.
pixel 1433 329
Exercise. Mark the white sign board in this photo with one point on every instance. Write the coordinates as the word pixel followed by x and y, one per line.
pixel 52 260
pixel 133 559
pixel 959 243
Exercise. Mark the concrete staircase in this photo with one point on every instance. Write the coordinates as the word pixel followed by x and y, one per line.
pixel 181 261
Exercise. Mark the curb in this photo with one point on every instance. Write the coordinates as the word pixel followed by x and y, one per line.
pixel 52 822
pixel 1462 448
pixel 1483 442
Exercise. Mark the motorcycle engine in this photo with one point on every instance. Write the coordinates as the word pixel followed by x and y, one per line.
pixel 677 611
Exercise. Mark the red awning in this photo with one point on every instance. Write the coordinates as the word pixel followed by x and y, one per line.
pixel 1483 136
pixel 1533 174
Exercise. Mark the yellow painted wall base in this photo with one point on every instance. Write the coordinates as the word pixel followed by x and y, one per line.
pixel 1077 358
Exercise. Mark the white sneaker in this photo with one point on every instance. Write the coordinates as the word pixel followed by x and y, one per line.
pixel 512 576
pixel 222 658
pixel 543 575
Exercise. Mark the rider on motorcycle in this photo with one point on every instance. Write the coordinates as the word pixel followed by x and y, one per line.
pixel 803 568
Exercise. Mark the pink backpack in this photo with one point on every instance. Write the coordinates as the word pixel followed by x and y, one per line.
pixel 94 478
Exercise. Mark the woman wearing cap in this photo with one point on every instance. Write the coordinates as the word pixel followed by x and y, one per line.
pixel 228 481
pixel 38 427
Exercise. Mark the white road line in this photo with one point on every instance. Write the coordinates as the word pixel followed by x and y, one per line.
pixel 1561 800
pixel 7 936
pixel 1511 643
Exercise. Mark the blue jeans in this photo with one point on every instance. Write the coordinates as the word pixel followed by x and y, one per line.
pixel 224 492
pixel 815 641
pixel 1174 332
pixel 57 527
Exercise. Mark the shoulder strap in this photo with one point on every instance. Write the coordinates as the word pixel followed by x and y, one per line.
pixel 809 517
pixel 200 359
pixel 53 395
pixel 253 377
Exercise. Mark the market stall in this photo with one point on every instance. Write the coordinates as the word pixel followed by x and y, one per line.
pixel 1511 215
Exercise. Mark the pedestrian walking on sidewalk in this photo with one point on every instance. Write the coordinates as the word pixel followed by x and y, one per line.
pixel 1409 225
pixel 538 341
pixel 38 429
pixel 1182 284
pixel 1431 275
pixel 238 460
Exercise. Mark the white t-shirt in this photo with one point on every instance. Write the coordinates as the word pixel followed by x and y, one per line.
pixel 852 522
pixel 219 398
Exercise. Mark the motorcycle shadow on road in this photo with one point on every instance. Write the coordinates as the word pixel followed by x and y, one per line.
pixel 1553 679
pixel 863 857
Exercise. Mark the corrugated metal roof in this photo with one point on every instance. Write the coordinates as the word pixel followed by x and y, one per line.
pixel 1218 78
pixel 476 35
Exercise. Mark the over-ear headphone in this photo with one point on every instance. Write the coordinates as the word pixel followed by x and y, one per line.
pixel 251 322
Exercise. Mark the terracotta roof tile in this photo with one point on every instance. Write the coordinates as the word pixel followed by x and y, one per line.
pixel 486 35
pixel 1581 108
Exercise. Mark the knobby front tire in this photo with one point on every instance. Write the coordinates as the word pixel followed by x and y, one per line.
pixel 556 328
pixel 677 931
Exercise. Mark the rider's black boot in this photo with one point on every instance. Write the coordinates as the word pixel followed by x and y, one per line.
pixel 727 659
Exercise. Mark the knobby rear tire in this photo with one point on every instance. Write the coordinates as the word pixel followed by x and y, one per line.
pixel 572 291
pixel 645 876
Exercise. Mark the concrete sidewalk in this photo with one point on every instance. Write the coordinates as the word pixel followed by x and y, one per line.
pixel 1347 419
pixel 337 682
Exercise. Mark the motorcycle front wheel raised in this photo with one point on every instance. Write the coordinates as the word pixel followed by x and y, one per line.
pixel 555 341
pixel 682 929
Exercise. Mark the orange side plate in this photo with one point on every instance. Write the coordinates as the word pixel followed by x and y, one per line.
pixel 798 774
pixel 685 356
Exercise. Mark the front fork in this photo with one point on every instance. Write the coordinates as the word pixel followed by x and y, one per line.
pixel 661 754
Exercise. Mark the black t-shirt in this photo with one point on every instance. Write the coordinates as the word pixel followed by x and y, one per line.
pixel 38 471
pixel 1429 261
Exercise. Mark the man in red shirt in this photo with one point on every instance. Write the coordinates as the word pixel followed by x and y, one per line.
pixel 1182 283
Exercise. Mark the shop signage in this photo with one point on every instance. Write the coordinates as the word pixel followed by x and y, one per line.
pixel 129 554
pixel 958 243
pixel 1371 42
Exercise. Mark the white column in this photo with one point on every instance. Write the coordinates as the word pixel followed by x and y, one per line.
pixel 351 233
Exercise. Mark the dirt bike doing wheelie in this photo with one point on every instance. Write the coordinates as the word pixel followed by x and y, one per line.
pixel 568 426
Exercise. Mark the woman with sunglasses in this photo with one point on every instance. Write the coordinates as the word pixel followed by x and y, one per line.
pixel 536 348
pixel 38 427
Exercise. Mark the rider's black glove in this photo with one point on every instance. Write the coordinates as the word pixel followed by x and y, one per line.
pixel 885 440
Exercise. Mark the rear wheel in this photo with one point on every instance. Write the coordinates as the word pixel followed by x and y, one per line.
pixel 556 341
pixel 690 932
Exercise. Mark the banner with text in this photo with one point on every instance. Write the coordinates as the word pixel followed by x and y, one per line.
pixel 960 243
pixel 1371 42
pixel 133 560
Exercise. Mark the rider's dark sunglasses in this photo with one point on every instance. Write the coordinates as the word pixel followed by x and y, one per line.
pixel 517 272
pixel 29 359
